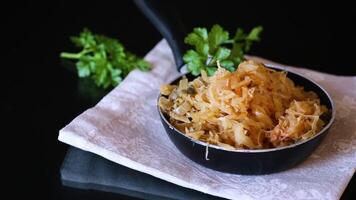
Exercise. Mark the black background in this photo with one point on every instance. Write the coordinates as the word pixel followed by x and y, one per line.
pixel 40 96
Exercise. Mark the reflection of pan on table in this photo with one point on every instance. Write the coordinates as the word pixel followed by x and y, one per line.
pixel 85 170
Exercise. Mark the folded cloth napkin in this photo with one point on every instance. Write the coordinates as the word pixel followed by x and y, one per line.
pixel 125 128
pixel 85 170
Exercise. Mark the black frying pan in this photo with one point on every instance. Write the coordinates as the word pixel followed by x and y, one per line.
pixel 262 161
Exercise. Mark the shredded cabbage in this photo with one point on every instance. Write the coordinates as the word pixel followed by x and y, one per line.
pixel 252 108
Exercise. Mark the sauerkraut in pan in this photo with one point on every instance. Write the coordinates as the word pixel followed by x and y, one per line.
pixel 252 108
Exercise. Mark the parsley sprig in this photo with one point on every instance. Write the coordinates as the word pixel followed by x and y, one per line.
pixel 103 59
pixel 217 45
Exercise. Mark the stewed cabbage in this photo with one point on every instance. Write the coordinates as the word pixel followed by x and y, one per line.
pixel 254 107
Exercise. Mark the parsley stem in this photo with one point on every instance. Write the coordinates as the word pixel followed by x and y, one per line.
pixel 70 55
pixel 74 55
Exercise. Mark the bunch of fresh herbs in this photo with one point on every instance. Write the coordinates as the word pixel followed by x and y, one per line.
pixel 103 59
pixel 217 45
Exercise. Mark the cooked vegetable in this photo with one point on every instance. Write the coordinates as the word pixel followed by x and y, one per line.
pixel 217 45
pixel 103 59
pixel 252 108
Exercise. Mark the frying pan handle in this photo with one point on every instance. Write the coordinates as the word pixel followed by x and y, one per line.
pixel 167 22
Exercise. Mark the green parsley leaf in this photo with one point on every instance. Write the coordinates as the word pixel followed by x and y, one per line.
pixel 83 68
pixel 222 53
pixel 217 36
pixel 199 39
pixel 194 62
pixel 254 35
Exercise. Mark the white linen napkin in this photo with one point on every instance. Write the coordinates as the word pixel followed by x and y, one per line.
pixel 124 127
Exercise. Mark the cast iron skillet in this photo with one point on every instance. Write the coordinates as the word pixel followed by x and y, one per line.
pixel 262 161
